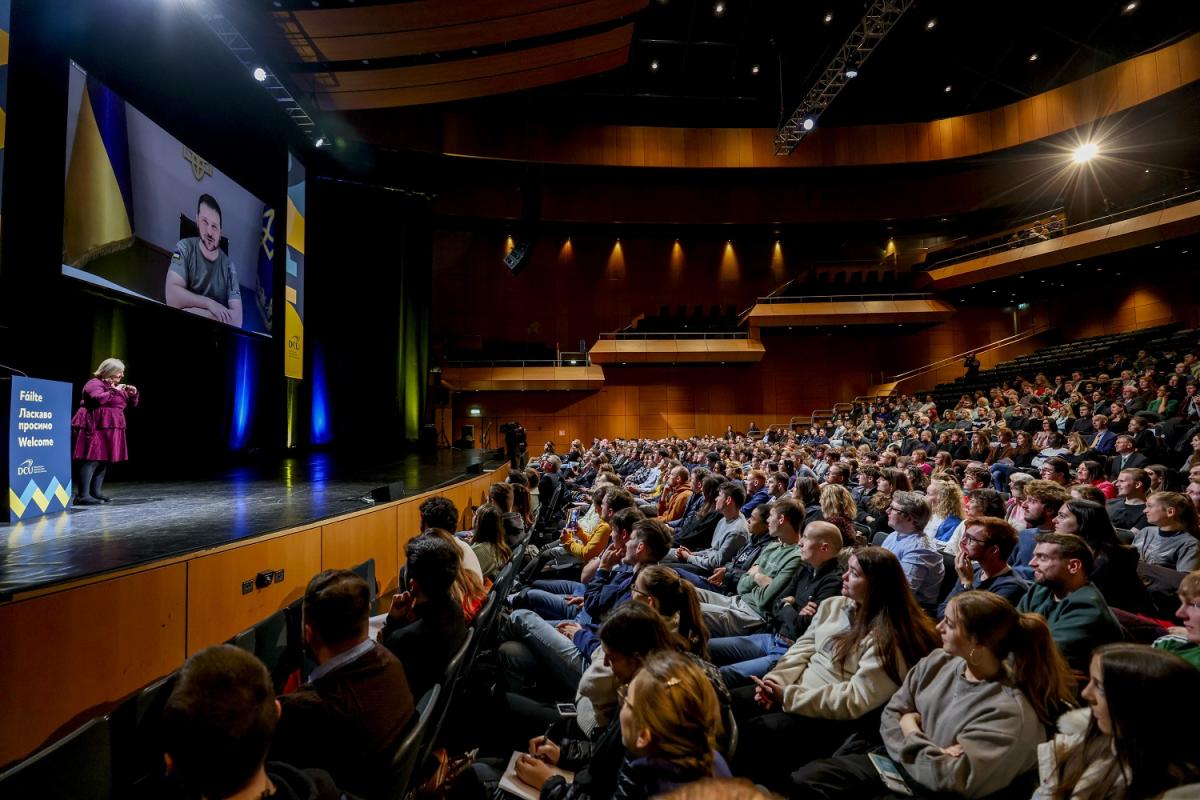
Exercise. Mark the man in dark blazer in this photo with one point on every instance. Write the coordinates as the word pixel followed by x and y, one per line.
pixel 349 716
pixel 1127 457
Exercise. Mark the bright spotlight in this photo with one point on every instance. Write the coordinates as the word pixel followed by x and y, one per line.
pixel 809 123
pixel 852 73
pixel 259 74
pixel 1085 153
pixel 320 142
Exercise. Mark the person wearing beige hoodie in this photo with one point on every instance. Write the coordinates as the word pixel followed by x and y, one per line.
pixel 832 682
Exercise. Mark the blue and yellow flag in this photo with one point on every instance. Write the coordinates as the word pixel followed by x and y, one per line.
pixel 98 214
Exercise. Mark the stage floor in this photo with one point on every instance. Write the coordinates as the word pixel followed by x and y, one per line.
pixel 148 521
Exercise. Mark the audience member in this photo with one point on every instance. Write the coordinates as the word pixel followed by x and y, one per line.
pixel 816 580
pixel 1040 506
pixel 730 534
pixel 967 721
pixel 907 514
pixel 488 541
pixel 348 717
pixel 1169 540
pixel 849 662
pixel 982 561
pixel 217 728
pixel 1120 746
pixel 1128 510
pixel 1115 569
pixel 425 625
pixel 1184 641
pixel 1079 618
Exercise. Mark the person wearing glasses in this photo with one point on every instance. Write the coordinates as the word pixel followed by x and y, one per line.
pixel 907 515
pixel 982 562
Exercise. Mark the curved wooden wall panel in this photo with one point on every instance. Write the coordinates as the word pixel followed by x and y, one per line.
pixel 434 26
pixel 475 77
pixel 1111 90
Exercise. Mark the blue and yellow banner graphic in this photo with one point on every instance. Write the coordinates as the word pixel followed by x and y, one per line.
pixel 293 325
pixel 39 448
pixel 98 218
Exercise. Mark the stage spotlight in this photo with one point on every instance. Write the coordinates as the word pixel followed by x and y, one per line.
pixel 947 89
pixel 931 24
pixel 754 69
pixel 1085 153
pixel 320 142
pixel 1033 57
pixel 828 17
pixel 852 72
pixel 1130 7
pixel 809 123
pixel 259 74
pixel 718 9
pixel 654 66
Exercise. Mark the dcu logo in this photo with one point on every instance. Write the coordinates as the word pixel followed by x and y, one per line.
pixel 27 468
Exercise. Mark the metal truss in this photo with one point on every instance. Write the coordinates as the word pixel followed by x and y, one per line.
pixel 876 23
pixel 245 53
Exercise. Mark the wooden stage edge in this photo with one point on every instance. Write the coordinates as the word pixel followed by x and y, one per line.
pixel 74 650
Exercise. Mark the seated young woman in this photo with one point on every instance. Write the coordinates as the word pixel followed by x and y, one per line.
pixel 968 720
pixel 665 733
pixel 1121 746
pixel 1115 573
pixel 849 662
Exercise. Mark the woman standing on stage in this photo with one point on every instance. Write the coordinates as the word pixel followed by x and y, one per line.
pixel 98 428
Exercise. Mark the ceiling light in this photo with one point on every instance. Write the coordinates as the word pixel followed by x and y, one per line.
pixel 852 73
pixel 931 24
pixel 1146 171
pixel 1033 56
pixel 718 9
pixel 809 123
pixel 754 69
pixel 654 65
pixel 947 89
pixel 1130 7
pixel 1085 153
pixel 259 74
pixel 828 17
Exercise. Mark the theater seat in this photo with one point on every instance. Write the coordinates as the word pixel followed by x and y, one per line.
pixel 78 767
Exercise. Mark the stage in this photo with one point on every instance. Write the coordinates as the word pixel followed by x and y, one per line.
pixel 149 521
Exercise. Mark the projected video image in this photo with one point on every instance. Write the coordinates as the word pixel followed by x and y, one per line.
pixel 147 216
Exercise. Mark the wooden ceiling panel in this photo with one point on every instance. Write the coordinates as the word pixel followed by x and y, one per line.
pixel 435 26
pixel 458 80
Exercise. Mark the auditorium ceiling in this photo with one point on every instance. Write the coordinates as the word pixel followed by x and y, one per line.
pixel 703 63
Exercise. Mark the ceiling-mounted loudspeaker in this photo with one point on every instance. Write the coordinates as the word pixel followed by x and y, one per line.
pixel 516 258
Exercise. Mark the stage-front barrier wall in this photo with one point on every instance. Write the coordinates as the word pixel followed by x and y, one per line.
pixel 71 652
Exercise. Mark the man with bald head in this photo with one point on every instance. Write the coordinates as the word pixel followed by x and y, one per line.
pixel 817 578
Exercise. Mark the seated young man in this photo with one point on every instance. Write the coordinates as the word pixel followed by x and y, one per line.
pixel 907 516
pixel 816 579
pixel 350 714
pixel 563 599
pixel 982 562
pixel 729 536
pixel 425 625
pixel 1042 501
pixel 1079 617
pixel 766 579
pixel 561 650
pixel 217 729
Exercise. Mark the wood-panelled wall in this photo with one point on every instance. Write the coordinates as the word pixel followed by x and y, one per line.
pixel 72 652
pixel 799 373
pixel 1101 94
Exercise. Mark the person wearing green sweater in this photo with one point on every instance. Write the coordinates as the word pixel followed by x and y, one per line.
pixel 1079 618
pixel 1185 641
pixel 768 576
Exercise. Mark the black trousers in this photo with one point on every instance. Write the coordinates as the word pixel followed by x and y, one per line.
pixel 773 744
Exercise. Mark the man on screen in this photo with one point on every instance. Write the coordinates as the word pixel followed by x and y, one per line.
pixel 202 278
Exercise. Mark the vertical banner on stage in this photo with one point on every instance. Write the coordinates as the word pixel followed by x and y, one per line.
pixel 5 10
pixel 293 326
pixel 39 448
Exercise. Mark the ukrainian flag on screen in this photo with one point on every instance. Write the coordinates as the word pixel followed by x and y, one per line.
pixel 98 217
